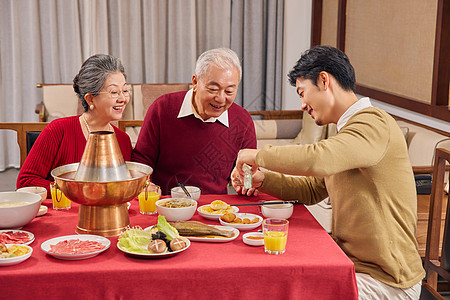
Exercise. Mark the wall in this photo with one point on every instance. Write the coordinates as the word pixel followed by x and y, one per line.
pixel 297 36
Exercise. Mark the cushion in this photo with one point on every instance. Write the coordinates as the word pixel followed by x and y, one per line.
pixel 311 132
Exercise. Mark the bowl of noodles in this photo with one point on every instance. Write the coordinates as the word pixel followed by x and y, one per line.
pixel 17 209
pixel 176 209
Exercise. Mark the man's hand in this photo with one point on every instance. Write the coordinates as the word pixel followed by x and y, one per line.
pixel 237 182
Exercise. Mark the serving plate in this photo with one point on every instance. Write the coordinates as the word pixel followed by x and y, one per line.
pixel 211 239
pixel 156 255
pixel 241 226
pixel 213 216
pixel 30 236
pixel 45 246
pixel 15 260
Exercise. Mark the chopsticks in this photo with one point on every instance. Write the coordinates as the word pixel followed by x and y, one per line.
pixel 267 203
pixel 184 189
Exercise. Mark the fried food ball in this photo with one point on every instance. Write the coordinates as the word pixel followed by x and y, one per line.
pixel 246 221
pixel 218 205
pixel 229 218
pixel 157 246
pixel 237 220
pixel 177 244
pixel 254 220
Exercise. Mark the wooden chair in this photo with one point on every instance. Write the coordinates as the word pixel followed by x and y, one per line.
pixel 26 135
pixel 436 263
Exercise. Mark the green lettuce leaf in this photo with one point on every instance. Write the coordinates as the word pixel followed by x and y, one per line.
pixel 164 226
pixel 135 240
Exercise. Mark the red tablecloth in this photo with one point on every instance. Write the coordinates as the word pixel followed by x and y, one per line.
pixel 313 266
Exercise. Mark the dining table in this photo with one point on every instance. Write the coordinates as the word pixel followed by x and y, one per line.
pixel 313 266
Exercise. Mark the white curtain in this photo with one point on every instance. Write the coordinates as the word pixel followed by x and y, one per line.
pixel 46 41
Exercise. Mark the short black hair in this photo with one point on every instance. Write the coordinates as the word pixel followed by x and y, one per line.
pixel 328 59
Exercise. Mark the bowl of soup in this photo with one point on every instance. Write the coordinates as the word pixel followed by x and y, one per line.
pixel 17 209
pixel 176 209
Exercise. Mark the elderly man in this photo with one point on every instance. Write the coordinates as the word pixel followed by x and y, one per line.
pixel 194 136
pixel 364 169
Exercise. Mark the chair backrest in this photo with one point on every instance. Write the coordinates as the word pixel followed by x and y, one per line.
pixel 27 134
pixel 145 94
pixel 61 101
pixel 436 263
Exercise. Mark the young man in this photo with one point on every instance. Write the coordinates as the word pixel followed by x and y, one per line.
pixel 194 136
pixel 364 169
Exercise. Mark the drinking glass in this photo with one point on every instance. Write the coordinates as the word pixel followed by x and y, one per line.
pixel 147 199
pixel 275 235
pixel 60 201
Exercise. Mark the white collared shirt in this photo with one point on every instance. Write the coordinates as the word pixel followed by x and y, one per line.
pixel 187 109
pixel 356 107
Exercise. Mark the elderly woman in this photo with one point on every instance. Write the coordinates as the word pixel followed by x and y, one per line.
pixel 102 89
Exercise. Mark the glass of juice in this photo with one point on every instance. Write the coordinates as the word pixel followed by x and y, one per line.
pixel 275 235
pixel 147 199
pixel 60 201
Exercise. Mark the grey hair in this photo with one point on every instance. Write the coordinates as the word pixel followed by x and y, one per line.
pixel 224 58
pixel 93 73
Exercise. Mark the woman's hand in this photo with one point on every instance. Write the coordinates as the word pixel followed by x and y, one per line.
pixel 246 156
pixel 237 182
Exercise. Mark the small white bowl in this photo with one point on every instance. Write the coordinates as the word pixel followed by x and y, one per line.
pixel 15 217
pixel 179 213
pixel 253 238
pixel 194 191
pixel 282 211
pixel 41 191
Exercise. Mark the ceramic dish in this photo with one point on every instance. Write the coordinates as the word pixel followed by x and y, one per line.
pixel 45 246
pixel 253 238
pixel 241 226
pixel 156 255
pixel 27 242
pixel 42 211
pixel 209 216
pixel 15 260
pixel 211 239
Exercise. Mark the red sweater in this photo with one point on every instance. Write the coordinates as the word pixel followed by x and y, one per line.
pixel 61 142
pixel 187 149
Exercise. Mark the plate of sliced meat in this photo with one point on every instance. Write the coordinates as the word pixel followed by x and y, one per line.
pixel 16 237
pixel 75 247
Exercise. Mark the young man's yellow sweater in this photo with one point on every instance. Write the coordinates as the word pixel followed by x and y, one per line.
pixel 366 172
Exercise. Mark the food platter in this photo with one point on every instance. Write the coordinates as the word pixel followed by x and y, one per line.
pixel 241 226
pixel 45 246
pixel 216 239
pixel 209 216
pixel 30 236
pixel 211 239
pixel 155 255
pixel 15 260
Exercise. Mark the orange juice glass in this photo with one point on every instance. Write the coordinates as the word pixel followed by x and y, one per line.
pixel 147 199
pixel 275 235
pixel 60 201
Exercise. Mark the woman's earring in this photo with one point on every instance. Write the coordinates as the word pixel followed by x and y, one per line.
pixel 91 107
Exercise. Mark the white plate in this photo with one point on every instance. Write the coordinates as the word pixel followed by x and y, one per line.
pixel 42 211
pixel 218 239
pixel 15 260
pixel 156 255
pixel 213 216
pixel 241 226
pixel 45 246
pixel 30 235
